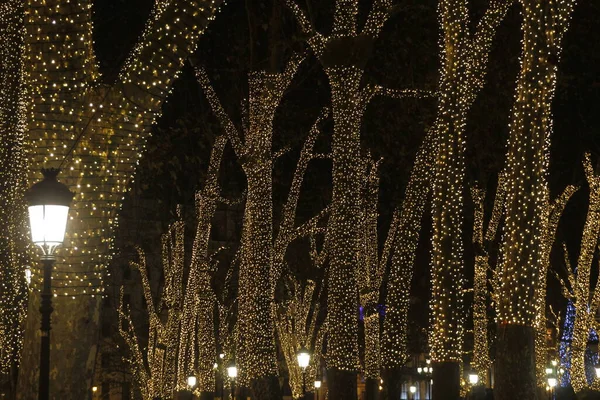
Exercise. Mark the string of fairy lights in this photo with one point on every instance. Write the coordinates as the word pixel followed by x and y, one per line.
pixel 13 259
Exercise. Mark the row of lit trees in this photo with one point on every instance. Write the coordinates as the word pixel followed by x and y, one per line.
pixel 95 132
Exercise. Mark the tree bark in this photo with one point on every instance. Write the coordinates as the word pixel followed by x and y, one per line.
pixel 515 363
pixel 371 389
pixel 446 379
pixel 341 384
pixel 392 383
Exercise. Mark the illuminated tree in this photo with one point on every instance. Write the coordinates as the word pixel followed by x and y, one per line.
pixel 262 255
pixel 154 367
pixel 584 297
pixel 197 349
pixel 482 237
pixel 12 186
pixel 464 63
pixel 481 357
pixel 555 210
pixel 464 58
pixel 343 56
pixel 297 327
pixel 94 131
pixel 523 246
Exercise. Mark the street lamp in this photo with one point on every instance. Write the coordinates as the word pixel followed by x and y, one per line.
pixel 412 389
pixel 473 378
pixel 597 368
pixel 48 204
pixel 303 360
pixel 232 373
pixel 191 382
pixel 317 387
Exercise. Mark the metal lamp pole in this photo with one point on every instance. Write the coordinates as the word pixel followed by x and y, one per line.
pixel 48 204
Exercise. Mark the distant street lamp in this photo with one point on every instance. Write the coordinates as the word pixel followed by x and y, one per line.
pixel 473 378
pixel 317 387
pixel 191 382
pixel 232 373
pixel 303 360
pixel 412 389
pixel 48 204
pixel 597 368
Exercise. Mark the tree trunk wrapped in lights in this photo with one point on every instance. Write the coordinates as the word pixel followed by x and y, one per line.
pixel 556 209
pixel 586 300
pixel 95 132
pixel 370 277
pixel 474 55
pixel 527 213
pixel 464 57
pixel 13 291
pixel 197 344
pixel 261 255
pixel 481 342
pixel 343 56
pixel 154 368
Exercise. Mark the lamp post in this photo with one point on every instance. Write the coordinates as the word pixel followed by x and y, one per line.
pixel 48 204
pixel 303 357
pixel 232 373
pixel 317 387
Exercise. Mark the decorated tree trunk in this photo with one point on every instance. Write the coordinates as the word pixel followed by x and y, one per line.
pixel 586 300
pixel 255 351
pixel 523 248
pixel 13 181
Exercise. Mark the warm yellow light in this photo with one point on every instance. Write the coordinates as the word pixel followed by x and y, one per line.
pixel 191 381
pixel 94 389
pixel 303 358
pixel 413 389
pixel 317 384
pixel 473 379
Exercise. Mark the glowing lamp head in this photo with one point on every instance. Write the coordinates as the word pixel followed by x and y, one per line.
pixel 548 371
pixel 473 378
pixel 303 357
pixel 48 204
pixel 552 382
pixel 232 370
pixel 191 381
pixel 412 389
pixel 94 389
pixel 317 384
pixel 419 370
pixel 597 368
